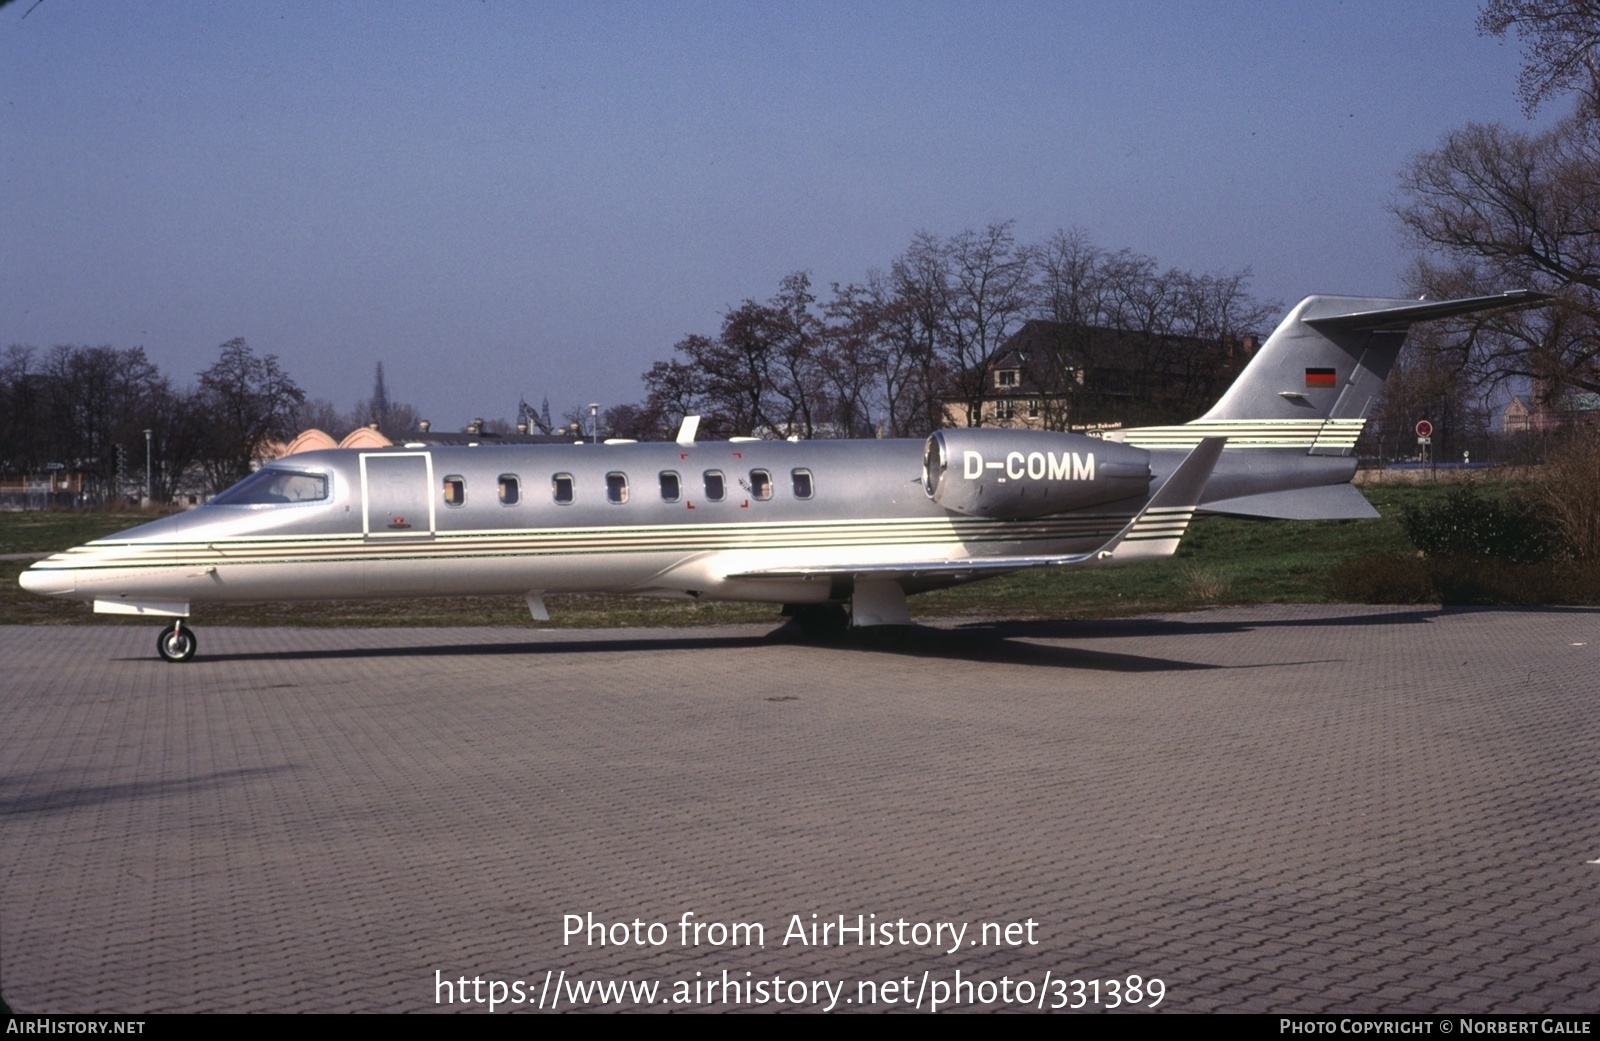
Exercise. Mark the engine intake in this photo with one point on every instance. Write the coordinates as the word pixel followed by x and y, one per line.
pixel 1010 474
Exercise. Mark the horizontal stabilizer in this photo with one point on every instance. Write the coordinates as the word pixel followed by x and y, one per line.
pixel 1399 317
pixel 1328 502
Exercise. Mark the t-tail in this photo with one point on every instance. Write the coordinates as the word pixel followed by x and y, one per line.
pixel 1306 393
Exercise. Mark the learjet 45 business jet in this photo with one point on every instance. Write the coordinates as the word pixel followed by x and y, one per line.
pixel 840 531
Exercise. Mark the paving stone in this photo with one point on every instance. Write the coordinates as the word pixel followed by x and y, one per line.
pixel 1271 809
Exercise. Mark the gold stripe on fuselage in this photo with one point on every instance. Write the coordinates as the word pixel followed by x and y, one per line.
pixel 1247 433
pixel 940 533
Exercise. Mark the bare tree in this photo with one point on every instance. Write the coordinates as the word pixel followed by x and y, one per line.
pixel 984 286
pixel 853 361
pixel 1495 208
pixel 322 414
pixel 1212 320
pixel 246 401
pixel 1165 342
pixel 674 389
pixel 884 376
pixel 632 422
pixel 893 354
pixel 22 411
pixel 89 408
pixel 98 401
pixel 919 285
pixel 1077 288
pixel 769 354
pixel 1565 491
pixel 1425 384
pixel 178 439
pixel 1562 39
pixel 760 374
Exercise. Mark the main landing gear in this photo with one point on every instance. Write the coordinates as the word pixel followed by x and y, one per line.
pixel 176 643
pixel 821 623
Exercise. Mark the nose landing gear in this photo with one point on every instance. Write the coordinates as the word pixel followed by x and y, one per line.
pixel 176 643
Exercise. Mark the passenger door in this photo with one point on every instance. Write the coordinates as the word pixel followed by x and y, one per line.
pixel 397 495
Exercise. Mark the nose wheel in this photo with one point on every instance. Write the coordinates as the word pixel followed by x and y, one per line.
pixel 176 643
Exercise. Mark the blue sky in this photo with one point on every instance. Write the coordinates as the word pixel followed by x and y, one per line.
pixel 497 198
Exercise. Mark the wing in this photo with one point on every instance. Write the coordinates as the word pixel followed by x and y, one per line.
pixel 1153 532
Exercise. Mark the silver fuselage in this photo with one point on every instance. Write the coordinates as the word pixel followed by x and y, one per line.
pixel 424 521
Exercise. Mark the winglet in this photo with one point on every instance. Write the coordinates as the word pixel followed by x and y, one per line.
pixel 689 427
pixel 1158 528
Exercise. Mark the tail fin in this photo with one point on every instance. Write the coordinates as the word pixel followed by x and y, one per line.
pixel 1311 385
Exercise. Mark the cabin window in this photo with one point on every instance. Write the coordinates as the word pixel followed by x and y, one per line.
pixel 715 486
pixel 561 488
pixel 272 487
pixel 760 485
pixel 455 490
pixel 617 487
pixel 801 480
pixel 510 489
pixel 670 486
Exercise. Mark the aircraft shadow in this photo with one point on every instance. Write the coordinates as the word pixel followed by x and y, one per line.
pixel 976 642
pixel 983 642
pixel 994 645
pixel 1202 624
pixel 988 645
pixel 1196 625
pixel 431 650
pixel 929 643
pixel 59 799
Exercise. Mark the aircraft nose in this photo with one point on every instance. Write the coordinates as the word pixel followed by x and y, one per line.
pixel 49 581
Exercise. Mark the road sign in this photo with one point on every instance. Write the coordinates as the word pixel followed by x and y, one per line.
pixel 1424 428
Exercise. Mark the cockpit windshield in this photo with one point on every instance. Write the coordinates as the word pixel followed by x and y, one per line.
pixel 272 487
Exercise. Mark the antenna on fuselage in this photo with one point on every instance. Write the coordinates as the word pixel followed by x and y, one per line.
pixel 686 432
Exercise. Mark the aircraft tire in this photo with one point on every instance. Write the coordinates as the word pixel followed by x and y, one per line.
pixel 823 623
pixel 175 644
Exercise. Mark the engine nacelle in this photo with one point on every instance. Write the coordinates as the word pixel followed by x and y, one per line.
pixel 1009 474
